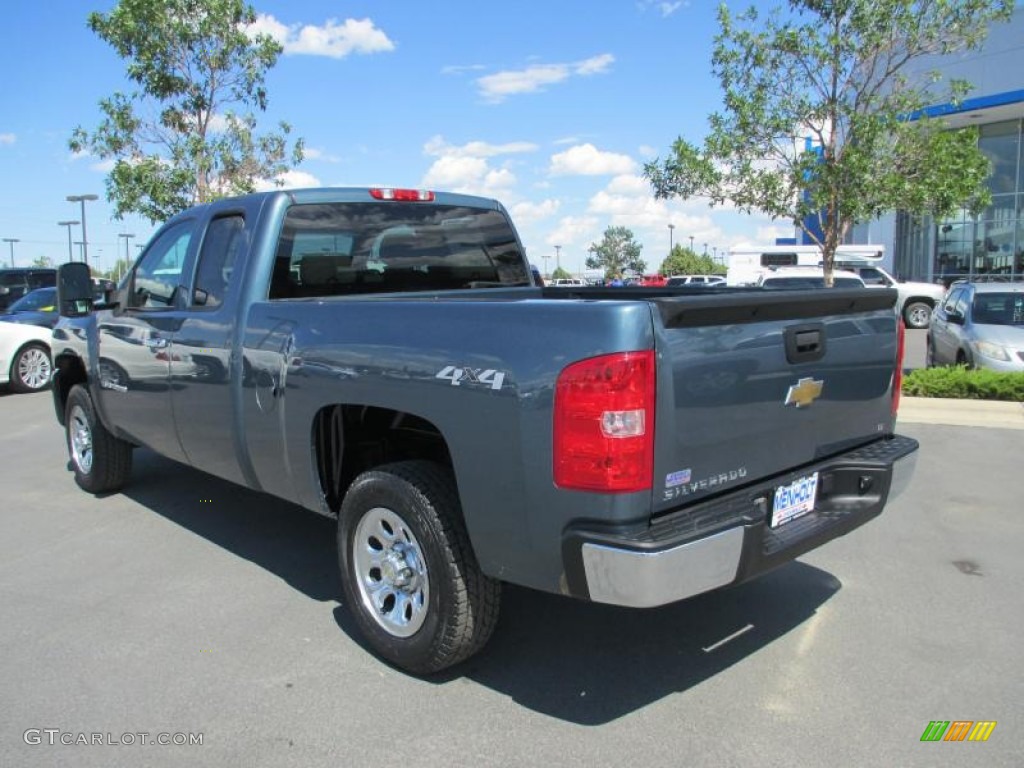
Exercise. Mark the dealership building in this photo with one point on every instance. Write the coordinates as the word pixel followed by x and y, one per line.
pixel 963 246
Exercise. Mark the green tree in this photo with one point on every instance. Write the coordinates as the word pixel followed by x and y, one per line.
pixel 684 261
pixel 115 272
pixel 815 125
pixel 616 253
pixel 42 261
pixel 187 135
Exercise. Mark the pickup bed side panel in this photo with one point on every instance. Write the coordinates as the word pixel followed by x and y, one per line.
pixel 402 354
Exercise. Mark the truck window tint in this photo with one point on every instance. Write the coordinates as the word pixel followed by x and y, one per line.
pixel 329 249
pixel 221 246
pixel 158 274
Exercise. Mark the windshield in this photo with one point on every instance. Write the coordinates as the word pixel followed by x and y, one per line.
pixel 341 248
pixel 42 300
pixel 998 308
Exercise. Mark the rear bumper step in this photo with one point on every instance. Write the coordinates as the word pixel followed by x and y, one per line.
pixel 729 540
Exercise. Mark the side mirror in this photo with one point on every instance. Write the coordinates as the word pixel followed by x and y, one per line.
pixel 74 289
pixel 955 318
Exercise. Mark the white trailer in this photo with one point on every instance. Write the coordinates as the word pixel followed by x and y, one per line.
pixel 748 262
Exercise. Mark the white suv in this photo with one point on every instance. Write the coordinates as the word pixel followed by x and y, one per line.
pixel 916 300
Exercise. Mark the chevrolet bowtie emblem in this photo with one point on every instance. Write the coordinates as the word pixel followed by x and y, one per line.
pixel 804 392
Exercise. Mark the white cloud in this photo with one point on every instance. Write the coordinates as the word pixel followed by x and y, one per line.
pixel 458 69
pixel 313 153
pixel 467 168
pixel 497 87
pixel 217 124
pixel 528 212
pixel 333 39
pixel 574 233
pixel 7 138
pixel 104 166
pixel 666 9
pixel 438 147
pixel 471 175
pixel 588 160
pixel 291 179
pixel 595 65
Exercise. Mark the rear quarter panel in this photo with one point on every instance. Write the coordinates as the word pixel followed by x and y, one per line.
pixel 389 353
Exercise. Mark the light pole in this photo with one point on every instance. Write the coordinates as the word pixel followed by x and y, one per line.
pixel 671 227
pixel 69 225
pixel 558 258
pixel 85 240
pixel 691 243
pixel 12 241
pixel 127 236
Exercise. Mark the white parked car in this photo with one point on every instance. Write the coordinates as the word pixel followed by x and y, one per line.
pixel 807 277
pixel 707 280
pixel 25 363
pixel 980 325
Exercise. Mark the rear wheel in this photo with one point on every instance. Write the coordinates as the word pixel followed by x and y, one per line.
pixel 31 369
pixel 410 578
pixel 917 314
pixel 101 462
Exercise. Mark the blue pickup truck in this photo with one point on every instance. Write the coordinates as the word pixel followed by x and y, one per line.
pixel 385 357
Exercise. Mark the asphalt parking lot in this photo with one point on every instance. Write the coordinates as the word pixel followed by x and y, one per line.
pixel 186 606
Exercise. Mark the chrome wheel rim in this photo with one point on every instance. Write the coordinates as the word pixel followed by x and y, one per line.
pixel 34 368
pixel 80 434
pixel 919 316
pixel 390 572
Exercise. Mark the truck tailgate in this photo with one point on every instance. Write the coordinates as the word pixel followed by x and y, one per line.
pixel 757 383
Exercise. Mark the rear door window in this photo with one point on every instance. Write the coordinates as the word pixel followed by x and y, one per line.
pixel 218 259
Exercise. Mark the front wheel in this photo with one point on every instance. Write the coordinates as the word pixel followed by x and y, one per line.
pixel 101 462
pixel 917 314
pixel 31 369
pixel 409 575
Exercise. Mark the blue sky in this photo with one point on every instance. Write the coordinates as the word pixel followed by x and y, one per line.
pixel 551 108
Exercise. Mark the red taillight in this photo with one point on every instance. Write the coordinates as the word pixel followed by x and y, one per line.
pixel 897 379
pixel 403 195
pixel 604 423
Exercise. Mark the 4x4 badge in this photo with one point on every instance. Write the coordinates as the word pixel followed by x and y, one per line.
pixel 804 392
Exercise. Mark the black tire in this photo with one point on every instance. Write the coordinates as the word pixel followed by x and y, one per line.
pixel 100 461
pixel 31 369
pixel 917 314
pixel 402 544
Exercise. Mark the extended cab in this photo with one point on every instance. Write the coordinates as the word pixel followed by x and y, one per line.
pixel 383 357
